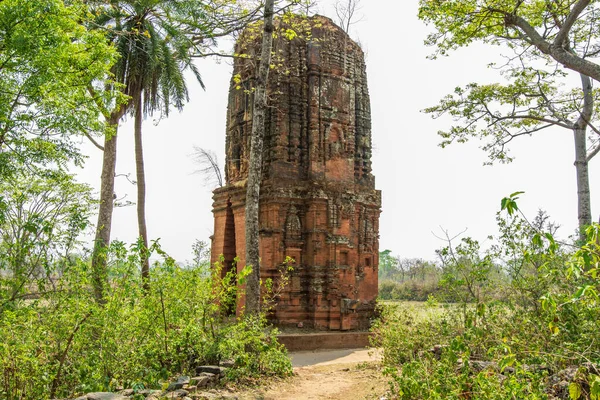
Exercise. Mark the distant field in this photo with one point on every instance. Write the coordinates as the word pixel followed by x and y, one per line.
pixel 421 309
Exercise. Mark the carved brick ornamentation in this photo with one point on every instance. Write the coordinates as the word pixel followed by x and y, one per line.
pixel 318 200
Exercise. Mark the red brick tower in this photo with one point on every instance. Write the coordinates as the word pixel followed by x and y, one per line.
pixel 318 200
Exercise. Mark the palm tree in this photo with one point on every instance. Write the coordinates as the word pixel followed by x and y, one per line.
pixel 156 40
pixel 155 56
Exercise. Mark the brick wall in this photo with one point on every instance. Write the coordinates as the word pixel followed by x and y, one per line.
pixel 319 204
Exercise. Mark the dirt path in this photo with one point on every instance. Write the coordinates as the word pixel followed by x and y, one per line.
pixel 334 374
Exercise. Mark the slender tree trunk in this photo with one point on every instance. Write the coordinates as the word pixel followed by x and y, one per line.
pixel 255 167
pixel 581 159
pixel 141 190
pixel 583 183
pixel 107 189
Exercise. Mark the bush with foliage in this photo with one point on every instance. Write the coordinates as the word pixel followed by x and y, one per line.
pixel 42 214
pixel 407 278
pixel 64 343
pixel 411 290
pixel 546 321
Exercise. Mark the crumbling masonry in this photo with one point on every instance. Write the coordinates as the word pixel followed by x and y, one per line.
pixel 318 201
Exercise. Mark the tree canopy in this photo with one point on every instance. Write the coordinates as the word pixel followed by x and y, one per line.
pixel 47 61
pixel 545 40
pixel 563 30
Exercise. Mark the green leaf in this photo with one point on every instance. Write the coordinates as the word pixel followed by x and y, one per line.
pixel 537 240
pixel 507 361
pixel 574 391
pixel 553 328
pixel 594 381
pixel 481 309
pixel 509 204
pixel 581 291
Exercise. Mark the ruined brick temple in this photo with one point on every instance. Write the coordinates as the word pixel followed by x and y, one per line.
pixel 318 200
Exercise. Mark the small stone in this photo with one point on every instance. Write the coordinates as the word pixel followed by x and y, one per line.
pixel 479 366
pixel 149 392
pixel 437 350
pixel 227 363
pixel 213 369
pixel 127 392
pixel 201 381
pixel 190 388
pixel 178 384
pixel 174 386
pixel 105 396
pixel 204 396
pixel 592 367
pixel 177 394
pixel 212 378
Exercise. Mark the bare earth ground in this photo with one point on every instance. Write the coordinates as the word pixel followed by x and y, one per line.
pixel 330 374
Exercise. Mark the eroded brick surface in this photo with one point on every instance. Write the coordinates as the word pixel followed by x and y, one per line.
pixel 319 204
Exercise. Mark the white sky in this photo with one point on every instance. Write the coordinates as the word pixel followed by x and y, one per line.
pixel 424 187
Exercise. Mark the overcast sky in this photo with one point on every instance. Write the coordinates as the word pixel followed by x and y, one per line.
pixel 425 188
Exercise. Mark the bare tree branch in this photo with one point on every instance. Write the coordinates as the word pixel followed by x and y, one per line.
pixel 209 166
pixel 91 139
pixel 346 12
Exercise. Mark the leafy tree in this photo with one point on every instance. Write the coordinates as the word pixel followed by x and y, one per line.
pixel 411 279
pixel 565 31
pixel 533 98
pixel 50 64
pixel 466 271
pixel 42 214
pixel 47 60
pixel 157 41
pixel 201 252
pixel 388 264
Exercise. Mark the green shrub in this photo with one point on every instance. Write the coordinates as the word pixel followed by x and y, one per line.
pixel 411 290
pixel 509 329
pixel 63 343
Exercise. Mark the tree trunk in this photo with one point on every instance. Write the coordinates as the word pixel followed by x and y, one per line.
pixel 107 189
pixel 141 190
pixel 255 165
pixel 581 159
pixel 583 183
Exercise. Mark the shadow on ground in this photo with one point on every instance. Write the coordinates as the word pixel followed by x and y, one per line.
pixel 329 357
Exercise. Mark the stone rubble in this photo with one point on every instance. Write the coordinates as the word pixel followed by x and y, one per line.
pixel 183 388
